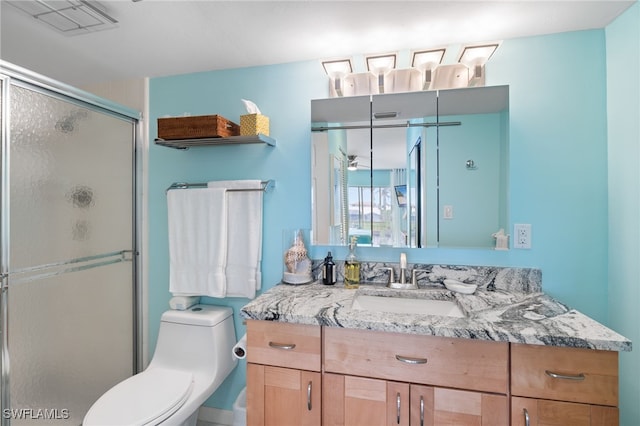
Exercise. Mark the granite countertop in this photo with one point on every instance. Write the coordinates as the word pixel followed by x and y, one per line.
pixel 492 313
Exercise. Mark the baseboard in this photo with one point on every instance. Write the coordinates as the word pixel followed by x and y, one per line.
pixel 215 416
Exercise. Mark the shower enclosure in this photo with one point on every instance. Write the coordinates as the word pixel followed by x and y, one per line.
pixel 68 248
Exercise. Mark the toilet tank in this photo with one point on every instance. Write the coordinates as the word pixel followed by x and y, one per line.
pixel 199 339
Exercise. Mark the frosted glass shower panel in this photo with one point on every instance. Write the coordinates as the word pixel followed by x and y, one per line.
pixel 71 180
pixel 70 341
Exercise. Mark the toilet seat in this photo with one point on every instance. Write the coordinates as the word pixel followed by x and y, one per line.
pixel 147 398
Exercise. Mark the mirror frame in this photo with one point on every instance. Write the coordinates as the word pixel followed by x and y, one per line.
pixel 369 112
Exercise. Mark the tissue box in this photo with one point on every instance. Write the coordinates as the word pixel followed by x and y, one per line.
pixel 203 126
pixel 253 124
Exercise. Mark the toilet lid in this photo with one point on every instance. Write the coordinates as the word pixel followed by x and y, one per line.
pixel 148 397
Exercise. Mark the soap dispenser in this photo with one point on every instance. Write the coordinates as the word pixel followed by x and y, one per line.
pixel 352 266
pixel 328 270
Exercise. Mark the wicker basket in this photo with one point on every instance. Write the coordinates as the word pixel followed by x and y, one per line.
pixel 203 126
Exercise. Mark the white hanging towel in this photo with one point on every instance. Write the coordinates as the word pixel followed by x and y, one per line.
pixel 197 241
pixel 244 246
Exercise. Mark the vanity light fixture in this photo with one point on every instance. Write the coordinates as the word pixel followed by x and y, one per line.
pixel 337 70
pixel 475 57
pixel 379 65
pixel 426 61
pixel 70 17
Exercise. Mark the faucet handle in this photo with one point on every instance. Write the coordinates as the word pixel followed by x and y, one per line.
pixel 414 280
pixel 391 273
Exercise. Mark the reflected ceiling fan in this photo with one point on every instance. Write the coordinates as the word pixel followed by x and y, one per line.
pixel 353 163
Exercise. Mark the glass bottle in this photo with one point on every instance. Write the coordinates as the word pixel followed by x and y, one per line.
pixel 328 270
pixel 352 266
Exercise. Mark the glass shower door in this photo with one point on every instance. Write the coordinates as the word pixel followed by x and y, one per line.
pixel 71 238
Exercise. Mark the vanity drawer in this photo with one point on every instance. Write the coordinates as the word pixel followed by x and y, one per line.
pixel 284 344
pixel 565 374
pixel 458 363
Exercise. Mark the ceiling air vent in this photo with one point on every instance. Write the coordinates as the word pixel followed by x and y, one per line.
pixel 70 17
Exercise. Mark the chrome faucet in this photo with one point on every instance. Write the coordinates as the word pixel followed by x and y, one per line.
pixel 403 268
pixel 403 283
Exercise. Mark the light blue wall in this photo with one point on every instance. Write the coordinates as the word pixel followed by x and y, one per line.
pixel 473 194
pixel 558 167
pixel 623 97
pixel 282 92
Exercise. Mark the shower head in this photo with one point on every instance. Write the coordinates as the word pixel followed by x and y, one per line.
pixel 67 124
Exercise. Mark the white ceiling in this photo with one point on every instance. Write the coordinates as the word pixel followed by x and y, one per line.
pixel 159 38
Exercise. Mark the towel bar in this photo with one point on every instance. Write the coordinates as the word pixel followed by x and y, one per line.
pixel 267 185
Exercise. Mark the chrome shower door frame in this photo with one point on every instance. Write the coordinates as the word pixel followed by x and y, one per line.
pixel 10 76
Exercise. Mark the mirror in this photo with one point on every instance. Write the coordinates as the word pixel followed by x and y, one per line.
pixel 393 172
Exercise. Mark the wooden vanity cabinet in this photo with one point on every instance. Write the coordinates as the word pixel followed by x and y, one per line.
pixel 312 375
pixel 563 386
pixel 376 378
pixel 284 382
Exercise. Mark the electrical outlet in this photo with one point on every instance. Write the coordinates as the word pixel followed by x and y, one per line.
pixel 448 212
pixel 522 233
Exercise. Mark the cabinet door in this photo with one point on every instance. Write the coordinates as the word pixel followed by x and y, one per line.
pixel 438 406
pixel 533 412
pixel 282 396
pixel 358 401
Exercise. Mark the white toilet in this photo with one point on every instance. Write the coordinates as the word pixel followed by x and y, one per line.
pixel 192 358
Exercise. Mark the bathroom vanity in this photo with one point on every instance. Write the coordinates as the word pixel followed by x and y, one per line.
pixel 515 357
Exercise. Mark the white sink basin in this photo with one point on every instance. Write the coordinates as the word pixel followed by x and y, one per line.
pixel 402 305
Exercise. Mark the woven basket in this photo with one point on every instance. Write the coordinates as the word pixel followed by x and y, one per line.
pixel 203 126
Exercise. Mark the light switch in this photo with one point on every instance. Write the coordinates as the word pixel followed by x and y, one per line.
pixel 448 212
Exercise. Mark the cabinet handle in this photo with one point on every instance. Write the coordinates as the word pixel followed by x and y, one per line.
pixel 398 407
pixel 526 417
pixel 308 396
pixel 421 410
pixel 578 377
pixel 285 346
pixel 410 360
